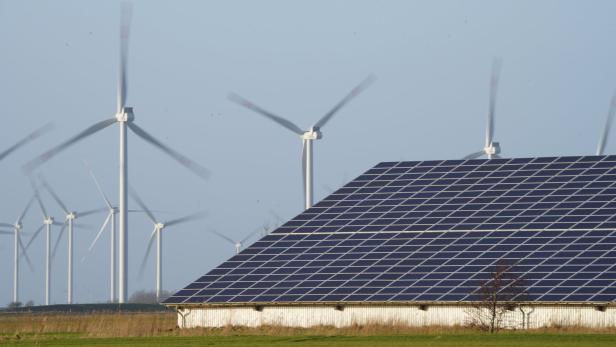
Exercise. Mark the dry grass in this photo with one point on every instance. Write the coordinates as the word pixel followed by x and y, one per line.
pixel 164 324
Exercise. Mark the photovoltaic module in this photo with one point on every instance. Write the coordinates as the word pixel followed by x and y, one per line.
pixel 434 231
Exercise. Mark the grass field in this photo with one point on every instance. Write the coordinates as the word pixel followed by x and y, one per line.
pixel 158 329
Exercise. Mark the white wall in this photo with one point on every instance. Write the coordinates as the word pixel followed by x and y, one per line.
pixel 444 315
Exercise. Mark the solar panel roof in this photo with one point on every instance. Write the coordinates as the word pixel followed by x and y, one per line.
pixel 433 231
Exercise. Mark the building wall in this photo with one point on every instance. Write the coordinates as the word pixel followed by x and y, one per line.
pixel 408 315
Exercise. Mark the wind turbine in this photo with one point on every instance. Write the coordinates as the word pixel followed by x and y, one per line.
pixel 239 243
pixel 69 220
pixel 124 117
pixel 17 244
pixel 307 136
pixel 158 234
pixel 111 217
pixel 48 221
pixel 29 138
pixel 608 124
pixel 491 149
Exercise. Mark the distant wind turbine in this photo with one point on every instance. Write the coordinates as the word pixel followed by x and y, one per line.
pixel 124 117
pixel 491 149
pixel 69 220
pixel 608 124
pixel 48 221
pixel 157 234
pixel 111 220
pixel 307 136
pixel 17 244
pixel 238 244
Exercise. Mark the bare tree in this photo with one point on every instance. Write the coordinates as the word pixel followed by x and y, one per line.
pixel 497 295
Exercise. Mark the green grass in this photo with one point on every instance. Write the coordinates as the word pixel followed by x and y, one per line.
pixel 470 339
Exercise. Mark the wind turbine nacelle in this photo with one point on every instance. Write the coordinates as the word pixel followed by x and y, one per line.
pixel 126 115
pixel 492 149
pixel 312 134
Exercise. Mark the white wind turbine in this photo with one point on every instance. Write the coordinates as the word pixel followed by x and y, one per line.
pixel 125 118
pixel 491 149
pixel 608 124
pixel 29 138
pixel 238 244
pixel 17 244
pixel 157 234
pixel 48 221
pixel 69 220
pixel 307 136
pixel 110 219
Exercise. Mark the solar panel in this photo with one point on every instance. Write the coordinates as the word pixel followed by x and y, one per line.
pixel 433 231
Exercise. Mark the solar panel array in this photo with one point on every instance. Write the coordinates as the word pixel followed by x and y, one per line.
pixel 433 231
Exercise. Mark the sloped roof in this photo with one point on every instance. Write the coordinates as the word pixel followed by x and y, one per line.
pixel 433 231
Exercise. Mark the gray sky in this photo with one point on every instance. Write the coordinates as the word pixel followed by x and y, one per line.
pixel 432 59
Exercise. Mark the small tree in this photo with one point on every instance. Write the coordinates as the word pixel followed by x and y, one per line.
pixel 500 293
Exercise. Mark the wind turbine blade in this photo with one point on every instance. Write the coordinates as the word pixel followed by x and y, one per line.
pixel 141 204
pixel 125 20
pixel 53 194
pixel 25 210
pixel 180 158
pixel 98 186
pixel 225 237
pixel 258 230
pixel 25 255
pixel 249 105
pixel 4 232
pixel 84 226
pixel 352 94
pixel 38 199
pixel 496 156
pixel 496 66
pixel 92 211
pixel 41 159
pixel 98 235
pixel 147 253
pixel 29 138
pixel 55 246
pixel 474 155
pixel 608 125
pixel 188 218
pixel 6 225
pixel 34 236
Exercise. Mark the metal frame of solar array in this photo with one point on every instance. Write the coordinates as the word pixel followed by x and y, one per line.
pixel 433 231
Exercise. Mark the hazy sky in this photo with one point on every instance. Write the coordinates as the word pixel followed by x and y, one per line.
pixel 432 59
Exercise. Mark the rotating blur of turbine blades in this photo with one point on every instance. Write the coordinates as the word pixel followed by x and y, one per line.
pixel 307 136
pixel 157 234
pixel 491 148
pixel 608 125
pixel 29 138
pixel 125 118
